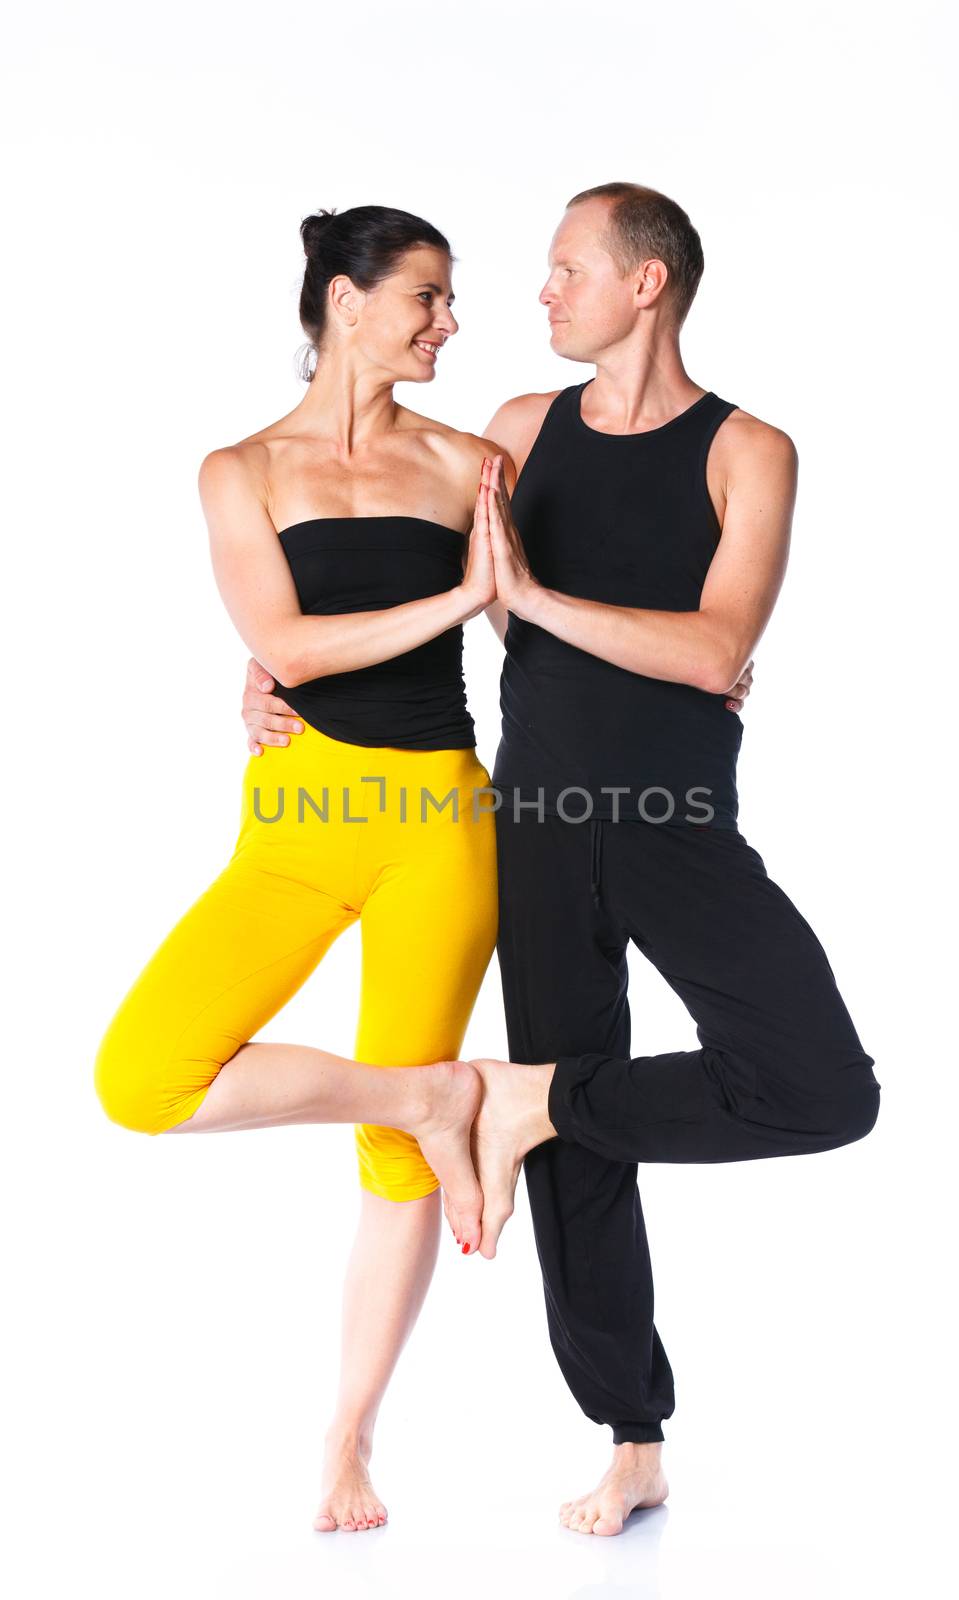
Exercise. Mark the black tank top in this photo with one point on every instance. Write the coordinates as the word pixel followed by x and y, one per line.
pixel 414 701
pixel 625 519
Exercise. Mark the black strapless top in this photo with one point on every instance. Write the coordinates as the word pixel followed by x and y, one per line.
pixel 414 701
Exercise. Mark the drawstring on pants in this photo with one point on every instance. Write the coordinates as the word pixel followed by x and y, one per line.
pixel 596 860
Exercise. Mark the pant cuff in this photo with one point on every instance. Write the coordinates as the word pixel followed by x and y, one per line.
pixel 567 1073
pixel 637 1433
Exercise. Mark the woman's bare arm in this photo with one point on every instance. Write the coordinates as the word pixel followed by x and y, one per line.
pixel 257 588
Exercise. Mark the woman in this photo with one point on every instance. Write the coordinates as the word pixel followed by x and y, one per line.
pixel 338 546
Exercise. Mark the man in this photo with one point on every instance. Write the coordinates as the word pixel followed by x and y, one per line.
pixel 639 565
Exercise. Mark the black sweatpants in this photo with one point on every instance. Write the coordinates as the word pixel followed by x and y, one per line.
pixel 780 1070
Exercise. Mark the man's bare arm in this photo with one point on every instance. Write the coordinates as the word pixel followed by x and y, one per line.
pixel 710 648
pixel 514 428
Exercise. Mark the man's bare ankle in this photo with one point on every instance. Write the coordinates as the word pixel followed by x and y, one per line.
pixel 538 1126
pixel 642 1450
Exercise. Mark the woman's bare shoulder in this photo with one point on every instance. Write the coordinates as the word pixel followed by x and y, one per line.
pixel 460 452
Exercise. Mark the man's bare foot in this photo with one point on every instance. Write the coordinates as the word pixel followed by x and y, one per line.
pixel 511 1121
pixel 348 1499
pixel 451 1096
pixel 635 1480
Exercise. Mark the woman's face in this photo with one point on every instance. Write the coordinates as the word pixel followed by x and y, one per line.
pixel 406 320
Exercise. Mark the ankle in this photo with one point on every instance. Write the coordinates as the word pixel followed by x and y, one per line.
pixel 536 1126
pixel 348 1437
pixel 428 1092
pixel 638 1453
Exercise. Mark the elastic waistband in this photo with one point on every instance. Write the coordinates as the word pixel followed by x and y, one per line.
pixel 339 758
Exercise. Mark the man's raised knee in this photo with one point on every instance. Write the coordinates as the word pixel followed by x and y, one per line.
pixel 856 1116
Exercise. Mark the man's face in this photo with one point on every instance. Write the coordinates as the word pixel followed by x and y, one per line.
pixel 590 306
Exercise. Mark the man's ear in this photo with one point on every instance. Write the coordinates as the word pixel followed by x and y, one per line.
pixel 650 282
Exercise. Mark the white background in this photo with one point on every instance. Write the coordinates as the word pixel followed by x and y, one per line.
pixel 173 1306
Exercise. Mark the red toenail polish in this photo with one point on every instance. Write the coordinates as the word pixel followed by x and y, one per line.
pixel 466 1249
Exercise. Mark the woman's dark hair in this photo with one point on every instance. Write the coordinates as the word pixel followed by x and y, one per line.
pixel 366 243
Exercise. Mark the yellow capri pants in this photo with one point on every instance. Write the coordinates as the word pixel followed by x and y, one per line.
pixel 330 832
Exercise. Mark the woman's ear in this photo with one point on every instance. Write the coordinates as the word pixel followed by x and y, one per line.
pixel 344 297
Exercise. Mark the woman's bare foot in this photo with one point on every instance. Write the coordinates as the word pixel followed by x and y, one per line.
pixel 511 1121
pixel 451 1096
pixel 634 1480
pixel 348 1500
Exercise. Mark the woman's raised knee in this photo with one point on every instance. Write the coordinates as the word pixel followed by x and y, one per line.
pixel 119 1087
pixel 139 1093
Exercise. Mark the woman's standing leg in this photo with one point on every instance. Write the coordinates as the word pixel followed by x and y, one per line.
pixel 390 1269
pixel 429 929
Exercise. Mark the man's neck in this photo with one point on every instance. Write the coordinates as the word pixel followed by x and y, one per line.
pixel 638 387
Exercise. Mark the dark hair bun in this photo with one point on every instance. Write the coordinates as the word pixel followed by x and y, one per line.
pixel 314 229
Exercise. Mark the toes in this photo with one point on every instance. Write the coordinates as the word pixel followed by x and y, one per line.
pixel 492 1228
pixel 469 1233
pixel 452 1218
pixel 324 1523
pixel 466 1224
pixel 607 1524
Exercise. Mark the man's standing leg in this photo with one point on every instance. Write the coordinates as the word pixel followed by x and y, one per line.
pixel 563 967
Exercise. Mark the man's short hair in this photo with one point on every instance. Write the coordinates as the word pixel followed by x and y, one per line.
pixel 644 223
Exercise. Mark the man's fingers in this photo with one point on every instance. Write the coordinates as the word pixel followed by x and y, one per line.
pixel 265 736
pixel 270 728
pixel 255 703
pixel 257 675
pixel 494 513
pixel 502 493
